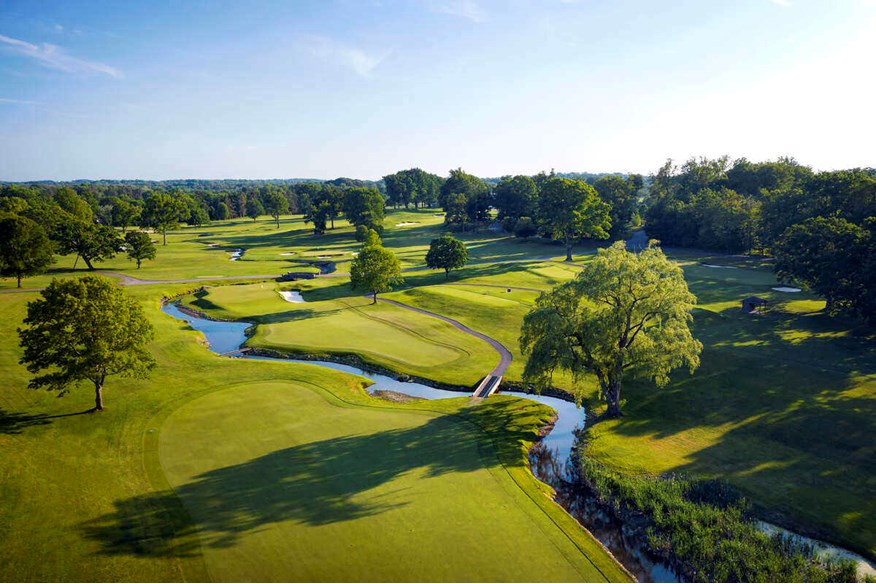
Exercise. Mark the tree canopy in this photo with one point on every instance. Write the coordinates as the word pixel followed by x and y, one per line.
pixel 25 249
pixel 375 269
pixel 364 206
pixel 162 211
pixel 139 247
pixel 84 330
pixel 446 253
pixel 571 209
pixel 625 314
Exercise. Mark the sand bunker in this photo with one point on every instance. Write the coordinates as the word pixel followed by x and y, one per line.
pixel 721 267
pixel 407 223
pixel 292 296
pixel 289 253
pixel 786 289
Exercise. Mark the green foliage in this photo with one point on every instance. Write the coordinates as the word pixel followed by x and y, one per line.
pixel 516 196
pixel 620 194
pixel 465 199
pixel 139 247
pixel 25 249
pixel 375 269
pixel 625 314
pixel 123 213
pixel 571 209
pixel 364 206
pixel 163 211
pixel 276 204
pixel 90 241
pixel 254 208
pixel 223 213
pixel 84 329
pixel 826 254
pixel 525 227
pixel 72 203
pixel 446 253
pixel 361 232
pixel 704 526
pixel 412 186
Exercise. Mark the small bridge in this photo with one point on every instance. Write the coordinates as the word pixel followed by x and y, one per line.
pixel 237 352
pixel 488 386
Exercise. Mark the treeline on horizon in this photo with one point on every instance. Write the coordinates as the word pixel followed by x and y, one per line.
pixel 820 226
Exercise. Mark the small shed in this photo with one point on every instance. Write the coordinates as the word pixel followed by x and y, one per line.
pixel 753 304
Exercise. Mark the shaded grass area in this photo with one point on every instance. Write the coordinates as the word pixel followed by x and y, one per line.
pixel 85 498
pixel 782 407
pixel 399 493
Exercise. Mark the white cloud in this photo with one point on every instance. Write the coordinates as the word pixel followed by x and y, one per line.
pixel 57 58
pixel 359 61
pixel 463 8
pixel 782 3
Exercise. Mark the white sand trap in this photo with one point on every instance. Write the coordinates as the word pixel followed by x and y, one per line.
pixel 292 296
pixel 407 223
pixel 786 289
pixel 355 253
pixel 720 267
pixel 289 253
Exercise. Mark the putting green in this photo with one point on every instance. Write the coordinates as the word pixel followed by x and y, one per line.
pixel 286 482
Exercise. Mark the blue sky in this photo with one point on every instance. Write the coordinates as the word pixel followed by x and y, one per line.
pixel 191 89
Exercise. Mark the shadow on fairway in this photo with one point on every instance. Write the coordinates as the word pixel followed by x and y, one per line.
pixel 14 423
pixel 319 483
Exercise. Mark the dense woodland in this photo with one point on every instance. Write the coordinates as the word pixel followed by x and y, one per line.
pixel 819 227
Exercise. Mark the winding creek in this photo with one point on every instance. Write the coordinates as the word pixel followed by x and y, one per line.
pixel 549 459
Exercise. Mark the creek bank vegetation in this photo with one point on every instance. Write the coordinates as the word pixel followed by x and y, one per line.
pixel 702 528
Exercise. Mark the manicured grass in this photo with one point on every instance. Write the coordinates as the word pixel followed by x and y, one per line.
pixel 85 497
pixel 316 490
pixel 381 334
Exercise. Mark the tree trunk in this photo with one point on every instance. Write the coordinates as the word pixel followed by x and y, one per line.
pixel 19 280
pixel 164 233
pixel 88 263
pixel 333 222
pixel 98 397
pixel 612 398
pixel 76 261
pixel 446 274
pixel 138 263
pixel 568 251
pixel 374 298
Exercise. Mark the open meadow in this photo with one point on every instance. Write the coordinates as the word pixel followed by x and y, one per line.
pixel 212 461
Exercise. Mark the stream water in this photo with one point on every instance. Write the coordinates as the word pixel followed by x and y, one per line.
pixel 549 459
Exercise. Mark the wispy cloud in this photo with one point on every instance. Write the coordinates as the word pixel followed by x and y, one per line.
pixel 359 61
pixel 9 101
pixel 782 3
pixel 463 8
pixel 57 58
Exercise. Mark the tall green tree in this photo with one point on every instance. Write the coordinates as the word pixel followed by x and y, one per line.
pixel 276 204
pixel 123 213
pixel 620 194
pixel 625 315
pixel 84 330
pixel 375 269
pixel 90 241
pixel 826 255
pixel 446 253
pixel 364 206
pixel 25 249
pixel 163 211
pixel 516 196
pixel 254 208
pixel 139 247
pixel 571 209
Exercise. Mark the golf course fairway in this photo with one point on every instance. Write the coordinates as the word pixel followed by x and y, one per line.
pixel 285 481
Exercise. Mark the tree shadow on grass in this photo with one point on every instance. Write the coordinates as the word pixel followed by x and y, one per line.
pixel 15 423
pixel 319 483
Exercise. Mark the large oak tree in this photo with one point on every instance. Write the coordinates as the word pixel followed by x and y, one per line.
pixel 84 330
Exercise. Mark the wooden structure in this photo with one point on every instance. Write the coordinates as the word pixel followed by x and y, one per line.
pixel 753 304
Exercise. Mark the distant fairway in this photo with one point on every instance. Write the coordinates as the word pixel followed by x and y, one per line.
pixel 284 482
